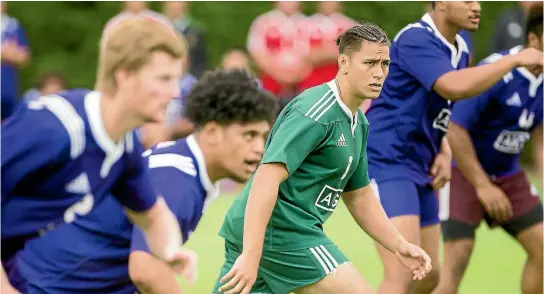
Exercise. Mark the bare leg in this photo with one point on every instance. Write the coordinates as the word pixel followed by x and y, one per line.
pixel 346 279
pixel 531 240
pixel 430 239
pixel 456 258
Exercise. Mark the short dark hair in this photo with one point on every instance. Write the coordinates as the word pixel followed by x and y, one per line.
pixel 534 22
pixel 228 96
pixel 351 40
pixel 51 75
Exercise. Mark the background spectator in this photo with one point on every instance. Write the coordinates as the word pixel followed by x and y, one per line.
pixel 49 83
pixel 324 28
pixel 510 27
pixel 235 58
pixel 277 42
pixel 178 13
pixel 15 54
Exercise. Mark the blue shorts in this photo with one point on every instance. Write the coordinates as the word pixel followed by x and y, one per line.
pixel 404 197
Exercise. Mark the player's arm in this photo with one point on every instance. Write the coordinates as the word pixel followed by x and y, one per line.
pixel 175 183
pixel 149 212
pixel 464 117
pixel 537 151
pixel 417 47
pixel 441 168
pixel 151 275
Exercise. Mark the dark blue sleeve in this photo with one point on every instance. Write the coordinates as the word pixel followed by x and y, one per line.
pixel 465 113
pixel 134 189
pixel 32 140
pixel 182 197
pixel 419 54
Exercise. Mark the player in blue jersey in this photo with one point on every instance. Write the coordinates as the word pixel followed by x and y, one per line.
pixel 408 155
pixel 487 135
pixel 101 252
pixel 62 154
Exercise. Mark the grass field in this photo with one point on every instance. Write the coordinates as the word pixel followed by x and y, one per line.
pixel 495 267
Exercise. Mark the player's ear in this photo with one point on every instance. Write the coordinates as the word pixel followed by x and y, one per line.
pixel 213 133
pixel 343 63
pixel 122 78
pixel 533 41
pixel 440 5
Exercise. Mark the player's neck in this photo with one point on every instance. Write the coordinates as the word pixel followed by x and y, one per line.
pixel 115 117
pixel 446 29
pixel 352 101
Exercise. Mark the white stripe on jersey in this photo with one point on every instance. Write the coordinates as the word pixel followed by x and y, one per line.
pixel 183 163
pixel 317 103
pixel 328 101
pixel 329 255
pixel 326 109
pixel 327 261
pixel 68 116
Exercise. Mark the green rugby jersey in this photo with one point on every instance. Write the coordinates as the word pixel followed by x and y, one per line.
pixel 324 149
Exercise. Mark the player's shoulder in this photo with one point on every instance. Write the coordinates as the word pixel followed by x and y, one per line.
pixel 173 154
pixel 319 103
pixel 62 115
pixel 415 32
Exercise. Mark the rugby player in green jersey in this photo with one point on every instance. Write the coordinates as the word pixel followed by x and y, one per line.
pixel 314 155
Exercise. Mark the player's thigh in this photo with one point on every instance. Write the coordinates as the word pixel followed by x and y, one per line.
pixel 531 240
pixel 232 252
pixel 398 197
pixel 526 205
pixel 287 271
pixel 460 210
pixel 347 279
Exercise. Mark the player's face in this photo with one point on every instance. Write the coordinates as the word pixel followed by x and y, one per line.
pixel 534 41
pixel 242 148
pixel 464 14
pixel 368 69
pixel 154 86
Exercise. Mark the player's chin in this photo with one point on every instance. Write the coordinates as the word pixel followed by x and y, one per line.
pixel 372 93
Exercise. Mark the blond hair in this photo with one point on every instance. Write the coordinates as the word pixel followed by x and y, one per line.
pixel 129 44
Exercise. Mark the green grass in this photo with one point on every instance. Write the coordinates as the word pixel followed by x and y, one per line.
pixel 495 267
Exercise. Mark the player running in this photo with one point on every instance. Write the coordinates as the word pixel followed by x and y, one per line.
pixel 408 156
pixel 101 252
pixel 63 153
pixel 315 154
pixel 487 135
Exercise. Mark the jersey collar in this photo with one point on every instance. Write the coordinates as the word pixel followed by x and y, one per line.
pixel 211 188
pixel 345 108
pixel 94 114
pixel 455 55
pixel 534 82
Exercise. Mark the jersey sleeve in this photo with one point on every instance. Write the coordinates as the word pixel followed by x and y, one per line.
pixel 32 140
pixel 296 137
pixel 420 56
pixel 134 189
pixel 359 179
pixel 180 194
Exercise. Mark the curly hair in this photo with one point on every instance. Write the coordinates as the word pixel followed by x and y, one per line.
pixel 351 40
pixel 226 97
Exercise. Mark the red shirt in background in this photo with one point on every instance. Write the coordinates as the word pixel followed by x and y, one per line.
pixel 322 34
pixel 283 39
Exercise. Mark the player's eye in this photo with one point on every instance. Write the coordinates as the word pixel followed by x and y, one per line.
pixel 386 64
pixel 249 136
pixel 370 62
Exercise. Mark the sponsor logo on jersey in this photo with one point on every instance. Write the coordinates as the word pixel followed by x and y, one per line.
pixel 341 141
pixel 514 100
pixel 328 198
pixel 442 120
pixel 526 119
pixel 511 142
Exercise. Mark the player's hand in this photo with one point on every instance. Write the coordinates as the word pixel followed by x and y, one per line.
pixel 495 202
pixel 414 258
pixel 529 57
pixel 441 170
pixel 241 276
pixel 184 262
